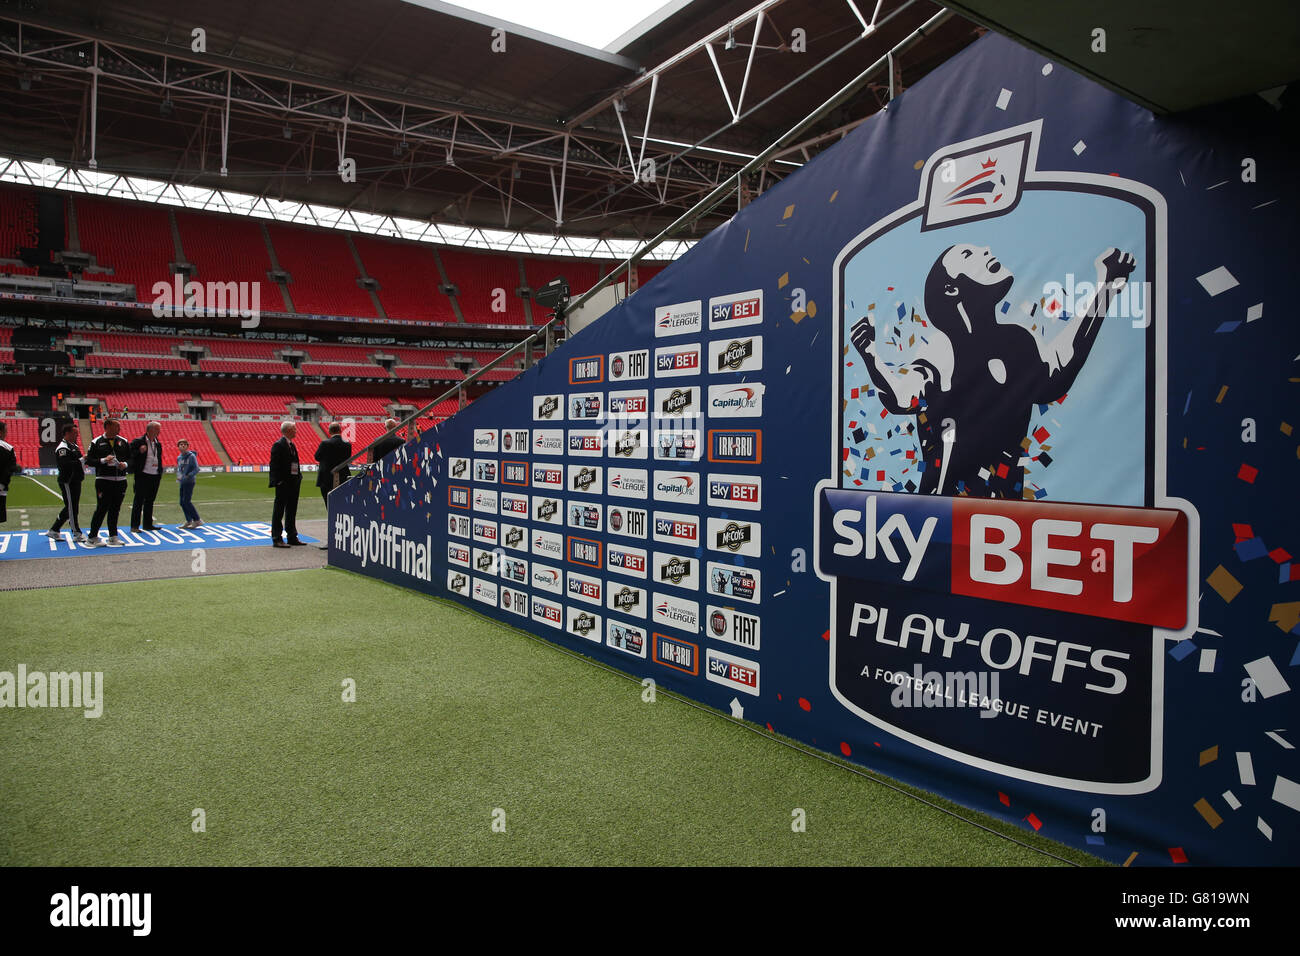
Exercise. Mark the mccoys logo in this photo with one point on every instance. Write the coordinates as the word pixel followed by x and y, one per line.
pixel 733 536
pixel 514 537
pixel 458 583
pixel 734 355
pixel 584 478
pixel 675 569
pixel 628 444
pixel 459 467
pixel 677 401
pixel 485 561
pixel 547 509
pixel 549 406
pixel 626 600
pixel 583 622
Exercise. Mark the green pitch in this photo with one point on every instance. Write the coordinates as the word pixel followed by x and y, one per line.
pixel 228 697
pixel 220 497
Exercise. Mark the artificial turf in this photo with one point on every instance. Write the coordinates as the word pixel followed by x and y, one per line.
pixel 225 693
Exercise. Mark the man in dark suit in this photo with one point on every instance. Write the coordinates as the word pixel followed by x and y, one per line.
pixel 147 467
pixel 387 443
pixel 331 453
pixel 8 468
pixel 286 478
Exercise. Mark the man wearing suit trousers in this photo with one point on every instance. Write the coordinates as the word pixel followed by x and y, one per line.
pixel 147 467
pixel 286 478
pixel 8 467
pixel 331 453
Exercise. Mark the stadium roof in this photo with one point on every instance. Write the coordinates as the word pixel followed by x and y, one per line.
pixel 440 126
pixel 547 135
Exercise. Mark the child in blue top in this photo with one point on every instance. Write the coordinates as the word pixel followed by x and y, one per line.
pixel 187 471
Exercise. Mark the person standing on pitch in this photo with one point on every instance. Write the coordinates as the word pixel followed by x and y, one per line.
pixel 109 455
pixel 8 468
pixel 388 442
pixel 68 458
pixel 187 473
pixel 147 466
pixel 286 479
pixel 331 453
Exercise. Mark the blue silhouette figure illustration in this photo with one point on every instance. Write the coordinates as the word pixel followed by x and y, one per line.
pixel 973 385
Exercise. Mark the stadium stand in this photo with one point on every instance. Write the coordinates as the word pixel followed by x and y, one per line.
pixel 421 356
pixel 429 372
pixel 161 402
pixel 241 348
pixel 17 227
pixel 25 435
pixel 155 363
pixel 477 276
pixel 244 367
pixel 229 249
pixel 250 442
pixel 581 275
pixel 323 271
pixel 118 343
pixel 345 354
pixel 408 279
pixel 236 403
pixel 343 371
pixel 339 406
pixel 134 239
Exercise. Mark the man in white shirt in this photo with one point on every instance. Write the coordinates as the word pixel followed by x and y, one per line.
pixel 147 466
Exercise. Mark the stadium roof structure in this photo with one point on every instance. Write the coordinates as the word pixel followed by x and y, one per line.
pixel 545 136
pixel 454 118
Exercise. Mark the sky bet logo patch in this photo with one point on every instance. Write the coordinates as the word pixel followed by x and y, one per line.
pixel 677 360
pixel 1038 554
pixel 731 311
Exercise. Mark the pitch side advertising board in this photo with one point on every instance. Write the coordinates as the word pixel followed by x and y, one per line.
pixel 963 453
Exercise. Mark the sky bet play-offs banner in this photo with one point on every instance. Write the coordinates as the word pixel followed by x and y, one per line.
pixel 966 453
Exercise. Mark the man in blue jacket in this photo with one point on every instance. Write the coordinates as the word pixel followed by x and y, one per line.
pixel 187 472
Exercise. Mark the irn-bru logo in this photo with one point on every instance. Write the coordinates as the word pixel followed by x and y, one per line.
pixel 1127 564
pixel 736 445
pixel 586 369
pixel 458 497
pixel 676 653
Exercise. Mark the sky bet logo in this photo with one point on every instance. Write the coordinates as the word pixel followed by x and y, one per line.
pixel 1127 564
pixel 673 361
pixel 730 311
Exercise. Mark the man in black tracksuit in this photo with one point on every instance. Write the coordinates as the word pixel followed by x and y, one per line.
pixel 110 456
pixel 67 456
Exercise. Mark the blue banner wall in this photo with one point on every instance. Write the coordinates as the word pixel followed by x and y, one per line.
pixel 963 453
